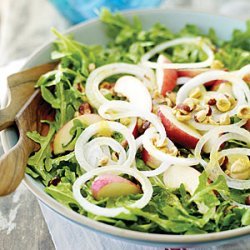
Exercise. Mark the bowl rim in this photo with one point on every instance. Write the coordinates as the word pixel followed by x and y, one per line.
pixel 108 230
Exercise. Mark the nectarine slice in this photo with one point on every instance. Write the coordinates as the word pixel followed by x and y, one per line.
pixel 63 136
pixel 165 78
pixel 113 186
pixel 178 132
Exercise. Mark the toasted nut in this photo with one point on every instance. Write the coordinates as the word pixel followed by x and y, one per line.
pixel 181 117
pixel 225 119
pixel 80 87
pixel 104 161
pixel 91 67
pixel 124 143
pixel 158 98
pixel 114 156
pixel 168 102
pixel 107 85
pixel 84 109
pixel 171 151
pixel 244 112
pixel 125 121
pixel 139 122
pixel 231 99
pixel 198 108
pixel 216 64
pixel 208 110
pixel 240 169
pixel 183 109
pixel 195 93
pixel 211 101
pixel 211 121
pixel 172 97
pixel 143 126
pixel 200 116
pixel 191 103
pixel 223 104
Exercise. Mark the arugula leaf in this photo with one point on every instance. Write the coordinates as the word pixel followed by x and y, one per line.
pixel 63 194
pixel 204 192
pixel 165 224
pixel 37 160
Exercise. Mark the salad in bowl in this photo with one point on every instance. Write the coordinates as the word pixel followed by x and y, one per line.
pixel 151 132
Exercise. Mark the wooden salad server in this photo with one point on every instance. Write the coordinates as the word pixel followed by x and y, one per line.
pixel 26 115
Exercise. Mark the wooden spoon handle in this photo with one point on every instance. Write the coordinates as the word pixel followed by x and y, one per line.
pixel 21 86
pixel 12 165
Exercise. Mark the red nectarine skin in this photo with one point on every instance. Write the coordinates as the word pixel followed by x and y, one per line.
pixel 247 125
pixel 149 160
pixel 195 72
pixel 176 134
pixel 135 131
pixel 190 72
pixel 169 77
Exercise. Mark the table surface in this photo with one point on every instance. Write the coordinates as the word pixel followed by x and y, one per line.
pixel 22 225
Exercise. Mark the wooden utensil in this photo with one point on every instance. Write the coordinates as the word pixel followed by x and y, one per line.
pixel 13 163
pixel 21 86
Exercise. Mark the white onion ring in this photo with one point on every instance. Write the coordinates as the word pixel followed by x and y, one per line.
pixel 239 87
pixel 114 110
pixel 243 71
pixel 197 41
pixel 213 133
pixel 161 169
pixel 95 97
pixel 206 127
pixel 90 147
pixel 132 124
pixel 213 168
pixel 182 80
pixel 95 128
pixel 112 212
pixel 149 134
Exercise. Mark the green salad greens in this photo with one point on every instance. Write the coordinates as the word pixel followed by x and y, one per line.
pixel 170 210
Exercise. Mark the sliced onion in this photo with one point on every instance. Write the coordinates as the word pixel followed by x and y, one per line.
pixel 239 87
pixel 161 169
pixel 182 80
pixel 114 110
pixel 150 134
pixel 82 141
pixel 197 41
pixel 95 97
pixel 112 212
pixel 243 71
pixel 206 127
pixel 234 203
pixel 96 145
pixel 132 125
pixel 214 133
pixel 139 142
pixel 214 169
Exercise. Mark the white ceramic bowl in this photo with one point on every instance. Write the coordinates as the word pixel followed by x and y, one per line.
pixel 92 32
